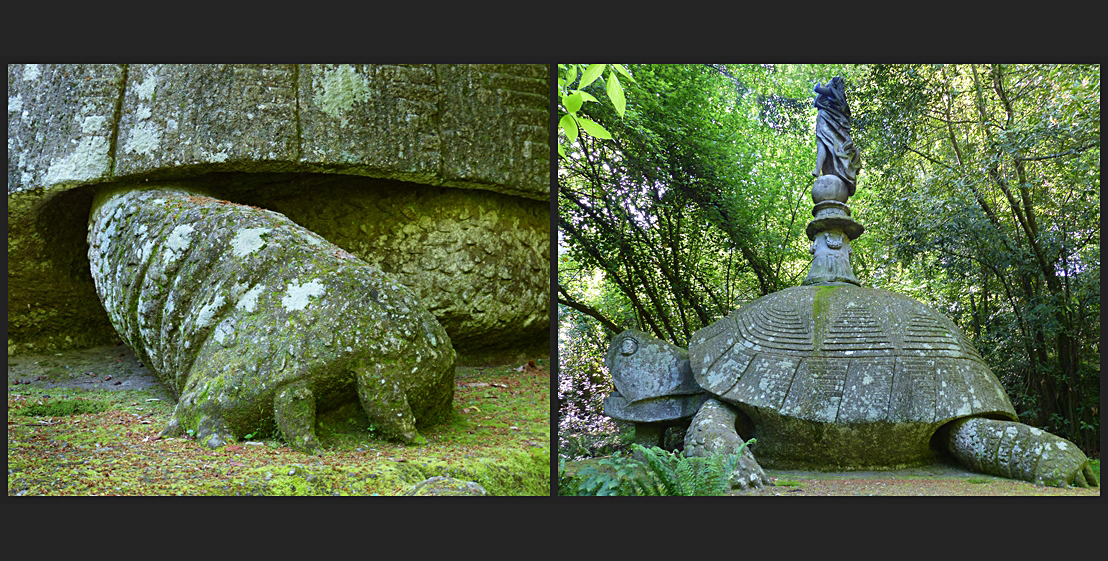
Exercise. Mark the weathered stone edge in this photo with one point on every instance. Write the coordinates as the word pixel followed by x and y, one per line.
pixel 88 149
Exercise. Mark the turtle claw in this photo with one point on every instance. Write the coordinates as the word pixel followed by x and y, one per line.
pixel 748 474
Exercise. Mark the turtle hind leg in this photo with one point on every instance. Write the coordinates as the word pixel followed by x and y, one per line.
pixel 1017 451
pixel 210 428
pixel 294 411
pixel 386 404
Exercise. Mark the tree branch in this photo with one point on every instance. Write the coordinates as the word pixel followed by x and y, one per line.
pixel 587 310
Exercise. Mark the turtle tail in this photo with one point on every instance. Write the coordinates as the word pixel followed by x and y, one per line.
pixel 1017 451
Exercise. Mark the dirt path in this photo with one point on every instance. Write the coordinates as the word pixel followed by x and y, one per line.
pixel 113 367
pixel 932 480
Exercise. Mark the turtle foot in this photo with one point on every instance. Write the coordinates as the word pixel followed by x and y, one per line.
pixel 386 406
pixel 1019 451
pixel 713 432
pixel 294 411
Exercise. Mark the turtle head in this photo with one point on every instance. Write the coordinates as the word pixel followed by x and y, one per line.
pixel 643 367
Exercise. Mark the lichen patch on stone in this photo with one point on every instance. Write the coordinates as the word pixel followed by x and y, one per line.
pixel 204 318
pixel 340 89
pixel 296 295
pixel 144 139
pixel 248 240
pixel 179 238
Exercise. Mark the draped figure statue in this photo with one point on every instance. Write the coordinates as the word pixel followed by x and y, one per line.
pixel 835 151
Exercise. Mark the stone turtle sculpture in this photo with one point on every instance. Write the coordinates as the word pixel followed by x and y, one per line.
pixel 255 323
pixel 841 377
pixel 832 375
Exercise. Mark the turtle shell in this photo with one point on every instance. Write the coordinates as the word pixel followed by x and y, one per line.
pixel 845 377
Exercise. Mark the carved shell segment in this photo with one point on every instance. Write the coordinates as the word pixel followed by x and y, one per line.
pixel 846 354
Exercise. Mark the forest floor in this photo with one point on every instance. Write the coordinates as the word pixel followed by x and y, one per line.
pixel 932 480
pixel 87 422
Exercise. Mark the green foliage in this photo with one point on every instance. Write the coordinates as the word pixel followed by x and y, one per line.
pixel 690 476
pixel 572 96
pixel 664 474
pixel 614 476
pixel 697 204
pixel 983 201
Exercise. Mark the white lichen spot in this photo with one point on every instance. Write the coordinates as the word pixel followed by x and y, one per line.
pixel 250 299
pixel 338 90
pixel 144 252
pixel 1060 445
pixel 296 297
pixel 30 72
pixel 224 331
pixel 179 238
pixel 867 380
pixel 15 104
pixel 248 240
pixel 204 317
pixel 144 139
pixel 143 113
pixel 89 160
pixel 145 90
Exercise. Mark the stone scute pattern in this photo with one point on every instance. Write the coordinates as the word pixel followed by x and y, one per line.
pixel 479 261
pixel 857 331
pixel 60 123
pixel 844 368
pixel 468 126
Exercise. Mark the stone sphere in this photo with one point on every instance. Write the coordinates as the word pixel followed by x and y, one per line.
pixel 829 187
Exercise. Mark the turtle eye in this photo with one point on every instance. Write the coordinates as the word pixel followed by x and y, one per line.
pixel 628 347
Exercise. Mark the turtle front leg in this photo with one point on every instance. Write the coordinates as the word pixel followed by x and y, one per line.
pixel 1018 451
pixel 294 411
pixel 713 431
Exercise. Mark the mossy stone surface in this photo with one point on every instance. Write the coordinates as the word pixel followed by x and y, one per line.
pixel 481 129
pixel 230 305
pixel 844 377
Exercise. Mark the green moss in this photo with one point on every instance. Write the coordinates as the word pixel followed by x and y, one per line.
pixel 62 408
pixel 821 308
